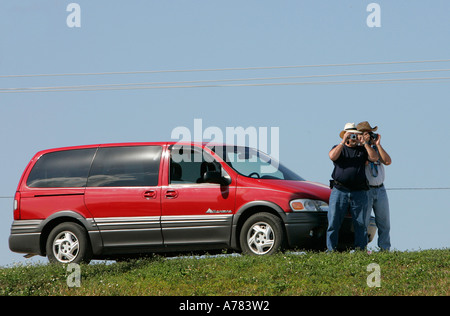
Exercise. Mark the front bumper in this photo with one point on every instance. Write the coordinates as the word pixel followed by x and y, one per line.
pixel 309 230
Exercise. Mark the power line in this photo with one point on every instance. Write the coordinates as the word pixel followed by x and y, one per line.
pixel 216 80
pixel 125 87
pixel 216 83
pixel 226 69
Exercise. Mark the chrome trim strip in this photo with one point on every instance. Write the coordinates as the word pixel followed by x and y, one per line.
pixel 196 218
pixel 191 227
pixel 118 221
pixel 130 230
pixel 132 223
pixel 193 221
pixel 157 222
pixel 125 219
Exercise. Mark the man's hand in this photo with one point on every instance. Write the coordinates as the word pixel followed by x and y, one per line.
pixel 373 155
pixel 346 137
pixel 384 156
pixel 366 138
pixel 377 141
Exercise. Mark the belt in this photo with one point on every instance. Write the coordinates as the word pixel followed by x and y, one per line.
pixel 346 188
pixel 376 186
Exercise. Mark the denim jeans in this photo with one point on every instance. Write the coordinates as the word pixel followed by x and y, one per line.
pixel 378 201
pixel 340 202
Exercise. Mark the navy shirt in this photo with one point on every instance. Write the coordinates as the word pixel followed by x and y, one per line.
pixel 349 168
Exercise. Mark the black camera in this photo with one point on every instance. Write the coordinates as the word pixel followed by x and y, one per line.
pixel 374 135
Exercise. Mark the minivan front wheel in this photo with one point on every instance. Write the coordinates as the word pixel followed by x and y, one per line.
pixel 261 234
pixel 68 243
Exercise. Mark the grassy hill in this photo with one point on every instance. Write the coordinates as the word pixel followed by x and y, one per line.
pixel 401 273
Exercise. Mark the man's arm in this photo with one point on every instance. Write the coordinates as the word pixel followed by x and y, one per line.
pixel 384 156
pixel 373 155
pixel 336 151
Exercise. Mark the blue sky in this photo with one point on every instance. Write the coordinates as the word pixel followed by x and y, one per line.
pixel 129 36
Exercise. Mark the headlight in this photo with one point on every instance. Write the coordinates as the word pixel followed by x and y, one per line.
pixel 308 205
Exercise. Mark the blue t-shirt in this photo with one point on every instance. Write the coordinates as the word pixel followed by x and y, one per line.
pixel 349 168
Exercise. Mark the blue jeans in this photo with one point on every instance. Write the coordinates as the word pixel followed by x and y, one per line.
pixel 340 202
pixel 378 201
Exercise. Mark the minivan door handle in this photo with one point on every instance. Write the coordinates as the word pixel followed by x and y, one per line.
pixel 150 194
pixel 171 194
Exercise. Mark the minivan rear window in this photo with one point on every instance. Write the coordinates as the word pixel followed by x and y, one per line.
pixel 125 166
pixel 68 168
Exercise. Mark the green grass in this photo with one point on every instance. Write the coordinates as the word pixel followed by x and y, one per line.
pixel 402 273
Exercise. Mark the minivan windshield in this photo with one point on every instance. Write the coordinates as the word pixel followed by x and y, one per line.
pixel 253 163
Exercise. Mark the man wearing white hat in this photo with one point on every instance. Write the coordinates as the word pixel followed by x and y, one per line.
pixel 349 185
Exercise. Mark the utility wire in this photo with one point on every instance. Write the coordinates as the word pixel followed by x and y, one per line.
pixel 218 80
pixel 225 69
pixel 124 87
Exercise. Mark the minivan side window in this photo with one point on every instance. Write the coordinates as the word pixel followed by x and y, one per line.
pixel 62 169
pixel 188 164
pixel 125 166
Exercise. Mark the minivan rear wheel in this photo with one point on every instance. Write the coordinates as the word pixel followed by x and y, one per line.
pixel 261 234
pixel 68 243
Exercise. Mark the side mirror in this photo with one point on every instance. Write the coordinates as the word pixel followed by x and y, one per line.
pixel 215 177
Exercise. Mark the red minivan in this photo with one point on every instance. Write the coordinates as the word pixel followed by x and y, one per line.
pixel 103 201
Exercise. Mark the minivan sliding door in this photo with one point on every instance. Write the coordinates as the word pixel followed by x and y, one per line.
pixel 123 196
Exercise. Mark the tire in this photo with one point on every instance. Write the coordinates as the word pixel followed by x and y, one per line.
pixel 68 243
pixel 262 234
